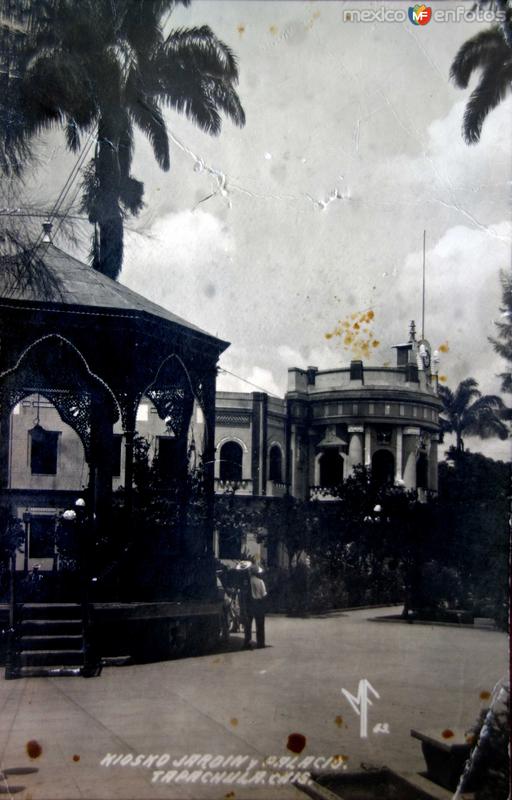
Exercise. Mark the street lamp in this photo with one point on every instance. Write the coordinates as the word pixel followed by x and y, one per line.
pixel 78 515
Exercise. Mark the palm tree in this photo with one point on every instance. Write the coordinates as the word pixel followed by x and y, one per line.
pixel 102 68
pixel 504 347
pixel 466 411
pixel 491 52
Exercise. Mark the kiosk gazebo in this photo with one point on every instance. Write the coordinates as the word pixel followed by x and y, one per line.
pixel 94 348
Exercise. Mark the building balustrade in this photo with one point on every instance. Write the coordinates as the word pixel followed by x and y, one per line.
pixel 241 487
pixel 277 488
pixel 321 493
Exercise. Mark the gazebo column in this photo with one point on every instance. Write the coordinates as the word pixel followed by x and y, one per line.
pixel 101 457
pixel 208 398
pixel 129 413
pixel 5 428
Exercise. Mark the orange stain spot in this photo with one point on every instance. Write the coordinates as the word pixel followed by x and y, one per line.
pixel 241 29
pixel 76 757
pixel 34 749
pixel 339 759
pixel 234 721
pixel 296 742
pixel 444 348
pixel 328 335
pixel 375 343
pixel 339 721
pixel 485 695
pixel 229 796
pixel 443 378
pixel 273 29
pixel 447 734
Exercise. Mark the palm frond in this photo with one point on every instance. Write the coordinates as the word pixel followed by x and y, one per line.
pixel 487 402
pixel 506 381
pixel 446 395
pixel 480 50
pixel 495 83
pixel 486 424
pixel 225 99
pixel 72 136
pixel 200 49
pixel 90 192
pixel 131 193
pixel 146 114
pixel 23 268
pixel 466 391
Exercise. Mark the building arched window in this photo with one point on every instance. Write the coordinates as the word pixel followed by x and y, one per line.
pixel 43 451
pixel 383 468
pixel 331 468
pixel 231 455
pixel 275 464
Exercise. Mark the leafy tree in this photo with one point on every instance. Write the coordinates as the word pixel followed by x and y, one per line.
pixel 472 517
pixel 503 343
pixel 489 51
pixel 467 412
pixel 104 68
pixel 234 518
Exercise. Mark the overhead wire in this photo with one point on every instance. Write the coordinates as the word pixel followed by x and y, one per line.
pixel 246 380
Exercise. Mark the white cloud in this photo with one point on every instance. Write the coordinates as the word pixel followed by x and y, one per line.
pixel 180 263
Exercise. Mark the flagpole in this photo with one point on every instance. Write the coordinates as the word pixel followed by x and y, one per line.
pixel 423 291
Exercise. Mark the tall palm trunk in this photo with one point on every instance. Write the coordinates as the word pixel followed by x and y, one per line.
pixel 109 214
pixel 459 442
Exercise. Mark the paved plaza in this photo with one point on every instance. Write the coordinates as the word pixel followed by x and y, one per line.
pixel 248 703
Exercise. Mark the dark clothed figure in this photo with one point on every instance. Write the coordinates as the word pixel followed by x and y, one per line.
pixel 255 608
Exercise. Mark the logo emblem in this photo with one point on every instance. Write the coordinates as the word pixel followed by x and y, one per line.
pixel 420 14
pixel 360 703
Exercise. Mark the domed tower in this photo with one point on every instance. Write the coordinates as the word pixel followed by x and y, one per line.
pixel 386 418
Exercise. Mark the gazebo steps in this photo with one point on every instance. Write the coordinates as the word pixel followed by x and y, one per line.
pixel 49 641
pixel 50 658
pixel 48 672
pixel 50 627
pixel 59 642
pixel 47 611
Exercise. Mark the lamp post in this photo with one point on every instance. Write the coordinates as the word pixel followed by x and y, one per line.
pixel 26 523
pixel 79 516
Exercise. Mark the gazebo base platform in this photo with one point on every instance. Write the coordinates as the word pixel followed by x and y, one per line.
pixel 49 638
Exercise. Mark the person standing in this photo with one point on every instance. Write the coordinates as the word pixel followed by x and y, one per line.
pixel 255 607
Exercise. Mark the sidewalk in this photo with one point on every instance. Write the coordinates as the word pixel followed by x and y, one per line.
pixel 247 703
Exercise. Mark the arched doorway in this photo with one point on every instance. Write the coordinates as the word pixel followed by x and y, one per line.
pixel 383 467
pixel 422 471
pixel 231 456
pixel 331 468
pixel 275 465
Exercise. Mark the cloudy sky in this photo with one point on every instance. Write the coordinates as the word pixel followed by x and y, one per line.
pixel 270 235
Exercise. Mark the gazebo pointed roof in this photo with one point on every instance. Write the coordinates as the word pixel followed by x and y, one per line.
pixel 60 280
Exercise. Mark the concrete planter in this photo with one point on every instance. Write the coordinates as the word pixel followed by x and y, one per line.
pixel 378 784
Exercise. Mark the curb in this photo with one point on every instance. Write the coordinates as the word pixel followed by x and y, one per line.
pixel 434 623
